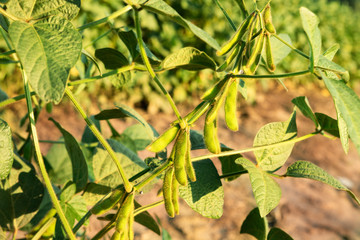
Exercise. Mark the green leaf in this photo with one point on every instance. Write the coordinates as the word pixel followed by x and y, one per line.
pixel 347 105
pixel 266 191
pixel 47 49
pixel 162 8
pixel 95 192
pixel 129 38
pixel 21 194
pixel 343 131
pixel 206 195
pixel 3 95
pixel 68 191
pixel 147 220
pixel 36 9
pixel 110 114
pixel 331 51
pixel 310 24
pixel 278 234
pixel 328 124
pixel 111 58
pixel 137 133
pixel 197 140
pixel 304 106
pixel 165 235
pixel 272 158
pixel 6 150
pixel 74 209
pixel 121 79
pixel 188 58
pixel 255 225
pixel 329 66
pixel 304 169
pixel 105 170
pixel 229 166
pixel 78 162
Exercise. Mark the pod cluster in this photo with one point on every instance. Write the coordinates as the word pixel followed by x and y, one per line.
pixel 125 219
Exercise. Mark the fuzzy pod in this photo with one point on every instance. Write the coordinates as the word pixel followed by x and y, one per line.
pixel 188 164
pixel 164 139
pixel 269 26
pixel 256 53
pixel 175 195
pixel 167 191
pixel 107 203
pixel 210 136
pixel 269 56
pixel 179 157
pixel 230 106
pixel 211 93
pixel 122 220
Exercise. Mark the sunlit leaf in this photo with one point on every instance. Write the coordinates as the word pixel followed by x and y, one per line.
pixel 6 150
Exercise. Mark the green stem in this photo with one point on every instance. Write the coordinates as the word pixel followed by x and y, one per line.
pixel 285 75
pixel 104 230
pixel 8 15
pixel 106 19
pixel 233 174
pixel 153 175
pixel 147 207
pixel 225 14
pixel 98 38
pixel 150 69
pixel 41 163
pixel 242 6
pixel 292 47
pixel 95 131
pixel 7 40
pixel 7 53
pixel 233 152
pixel 14 99
pixel 62 142
pixel 108 74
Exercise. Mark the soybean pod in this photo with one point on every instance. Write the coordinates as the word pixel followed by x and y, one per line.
pixel 164 139
pixel 231 57
pixel 175 195
pixel 107 203
pixel 210 136
pixel 255 56
pixel 236 36
pixel 230 106
pixel 167 191
pixel 269 26
pixel 188 164
pixel 179 157
pixel 122 226
pixel 269 55
pixel 211 93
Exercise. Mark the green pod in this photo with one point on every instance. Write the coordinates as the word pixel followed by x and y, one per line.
pixel 107 203
pixel 179 157
pixel 256 54
pixel 50 230
pixel 213 112
pixel 51 213
pixel 126 207
pixel 116 236
pixel 231 57
pixel 237 36
pixel 131 223
pixel 164 139
pixel 210 137
pixel 188 164
pixel 175 195
pixel 269 26
pixel 269 56
pixel 167 192
pixel 211 93
pixel 230 106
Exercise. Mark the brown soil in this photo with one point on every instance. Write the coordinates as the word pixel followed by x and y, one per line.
pixel 308 209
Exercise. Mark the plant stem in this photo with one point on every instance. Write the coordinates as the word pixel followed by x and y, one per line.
pixel 8 15
pixel 292 47
pixel 7 40
pixel 147 207
pixel 233 152
pixel 106 19
pixel 41 163
pixel 285 75
pixel 127 184
pixel 43 229
pixel 153 175
pixel 149 68
pixel 14 99
pixel 233 174
pixel 7 53
pixel 225 14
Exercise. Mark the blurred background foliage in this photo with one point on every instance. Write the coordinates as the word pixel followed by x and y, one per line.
pixel 339 21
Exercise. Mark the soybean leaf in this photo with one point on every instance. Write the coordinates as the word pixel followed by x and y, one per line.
pixel 188 58
pixel 94 192
pixel 165 235
pixel 37 9
pixel 278 234
pixel 329 66
pixel 206 195
pixel 105 170
pixel 6 150
pixel 228 165
pixel 3 95
pixel 272 158
pixel 110 114
pixel 343 131
pixel 138 136
pixel 304 169
pixel 4 23
pixel 310 24
pixel 255 225
pixel 74 209
pixel 92 59
pixel 147 220
pixel 328 124
pixel 120 79
pixel 78 162
pixel 111 58
pixel 331 51
pixel 197 140
pixel 21 194
pixel 266 191
pixel 47 49
pixel 68 191
pixel 347 105
pixel 304 106
pixel 162 8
